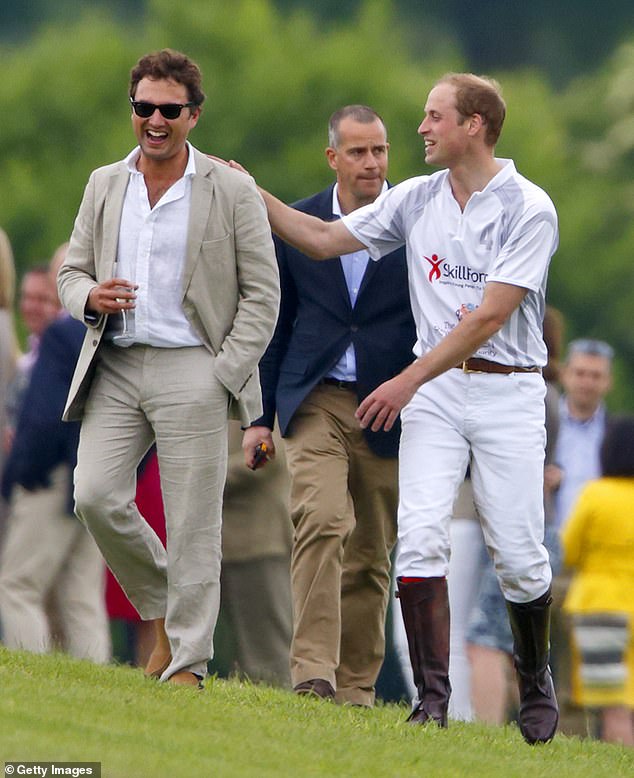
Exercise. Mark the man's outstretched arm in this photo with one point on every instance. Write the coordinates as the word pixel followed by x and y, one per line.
pixel 316 238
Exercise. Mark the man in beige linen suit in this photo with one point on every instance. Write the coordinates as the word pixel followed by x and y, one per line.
pixel 197 277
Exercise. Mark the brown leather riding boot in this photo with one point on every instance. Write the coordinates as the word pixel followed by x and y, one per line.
pixel 425 607
pixel 539 712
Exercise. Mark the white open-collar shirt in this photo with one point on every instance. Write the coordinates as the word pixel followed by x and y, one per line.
pixel 151 252
pixel 354 266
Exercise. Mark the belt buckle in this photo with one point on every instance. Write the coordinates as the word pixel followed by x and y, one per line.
pixel 466 369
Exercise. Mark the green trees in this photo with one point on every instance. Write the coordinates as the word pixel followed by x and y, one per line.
pixel 272 78
pixel 66 112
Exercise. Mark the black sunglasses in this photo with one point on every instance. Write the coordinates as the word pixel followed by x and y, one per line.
pixel 168 110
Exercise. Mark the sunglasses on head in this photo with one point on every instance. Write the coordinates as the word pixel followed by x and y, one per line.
pixel 168 110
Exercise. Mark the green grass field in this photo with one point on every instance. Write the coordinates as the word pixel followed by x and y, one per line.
pixel 56 708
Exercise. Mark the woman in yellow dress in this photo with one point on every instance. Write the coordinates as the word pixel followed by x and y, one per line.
pixel 598 544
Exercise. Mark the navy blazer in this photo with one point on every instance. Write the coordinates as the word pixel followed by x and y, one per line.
pixel 317 323
pixel 42 440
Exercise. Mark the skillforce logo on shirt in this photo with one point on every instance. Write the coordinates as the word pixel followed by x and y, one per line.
pixel 441 271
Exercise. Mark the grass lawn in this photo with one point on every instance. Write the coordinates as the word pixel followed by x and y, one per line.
pixel 57 708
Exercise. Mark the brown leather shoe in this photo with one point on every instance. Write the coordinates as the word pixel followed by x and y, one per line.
pixel 161 655
pixel 157 664
pixel 317 687
pixel 185 678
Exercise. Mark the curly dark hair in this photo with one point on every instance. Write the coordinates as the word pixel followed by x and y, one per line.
pixel 169 64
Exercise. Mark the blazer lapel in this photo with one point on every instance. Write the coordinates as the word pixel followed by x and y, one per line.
pixel 339 280
pixel 370 270
pixel 335 266
pixel 202 194
pixel 113 206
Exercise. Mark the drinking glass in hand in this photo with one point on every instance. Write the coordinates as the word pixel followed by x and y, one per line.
pixel 124 335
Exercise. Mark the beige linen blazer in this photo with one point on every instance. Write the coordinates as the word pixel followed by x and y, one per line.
pixel 230 282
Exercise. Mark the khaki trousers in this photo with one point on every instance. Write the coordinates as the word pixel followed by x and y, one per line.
pixel 256 598
pixel 256 558
pixel 46 555
pixel 343 506
pixel 171 395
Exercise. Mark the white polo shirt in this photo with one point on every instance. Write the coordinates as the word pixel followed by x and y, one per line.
pixel 151 252
pixel 506 233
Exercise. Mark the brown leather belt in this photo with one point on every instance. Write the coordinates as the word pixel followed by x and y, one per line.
pixel 478 365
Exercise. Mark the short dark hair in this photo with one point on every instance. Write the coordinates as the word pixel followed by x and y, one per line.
pixel 617 449
pixel 169 64
pixel 359 113
pixel 481 95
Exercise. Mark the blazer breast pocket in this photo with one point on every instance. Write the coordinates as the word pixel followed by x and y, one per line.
pixel 219 247
pixel 214 241
pixel 217 257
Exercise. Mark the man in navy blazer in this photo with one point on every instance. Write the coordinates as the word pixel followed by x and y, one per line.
pixel 344 327
pixel 42 441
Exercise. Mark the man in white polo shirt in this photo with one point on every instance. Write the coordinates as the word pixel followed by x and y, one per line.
pixel 188 240
pixel 479 239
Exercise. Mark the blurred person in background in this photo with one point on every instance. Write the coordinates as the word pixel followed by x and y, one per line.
pixel 598 545
pixel 586 378
pixel 255 598
pixel 38 306
pixel 8 341
pixel 49 562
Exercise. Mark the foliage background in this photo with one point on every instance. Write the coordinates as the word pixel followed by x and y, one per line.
pixel 274 71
